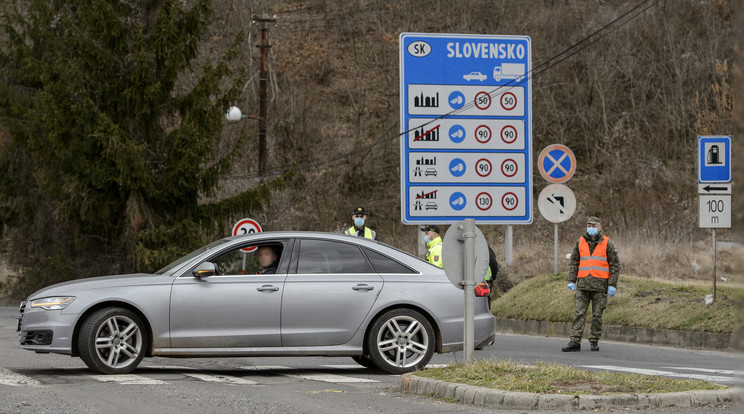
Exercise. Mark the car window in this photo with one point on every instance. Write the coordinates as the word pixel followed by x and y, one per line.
pixel 325 256
pixel 384 264
pixel 184 259
pixel 241 262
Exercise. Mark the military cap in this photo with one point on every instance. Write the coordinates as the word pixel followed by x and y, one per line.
pixel 359 210
pixel 432 227
pixel 592 220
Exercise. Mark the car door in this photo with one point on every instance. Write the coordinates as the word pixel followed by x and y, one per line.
pixel 329 294
pixel 237 308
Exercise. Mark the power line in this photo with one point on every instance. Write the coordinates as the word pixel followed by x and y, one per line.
pixel 547 64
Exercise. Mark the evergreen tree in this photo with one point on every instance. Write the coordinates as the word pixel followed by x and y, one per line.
pixel 109 124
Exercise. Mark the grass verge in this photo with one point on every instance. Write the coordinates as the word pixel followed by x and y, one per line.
pixel 639 302
pixel 549 378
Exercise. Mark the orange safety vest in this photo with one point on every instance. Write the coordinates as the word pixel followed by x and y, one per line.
pixel 594 264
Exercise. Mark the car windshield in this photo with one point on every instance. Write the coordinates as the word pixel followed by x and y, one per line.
pixel 171 267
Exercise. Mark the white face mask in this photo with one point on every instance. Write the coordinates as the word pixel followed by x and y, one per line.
pixel 359 221
pixel 592 231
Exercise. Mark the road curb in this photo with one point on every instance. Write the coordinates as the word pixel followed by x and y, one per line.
pixel 493 398
pixel 663 337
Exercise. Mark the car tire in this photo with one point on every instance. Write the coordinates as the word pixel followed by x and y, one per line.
pixel 364 361
pixel 400 341
pixel 112 341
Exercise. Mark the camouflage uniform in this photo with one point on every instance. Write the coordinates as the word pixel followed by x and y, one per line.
pixel 591 289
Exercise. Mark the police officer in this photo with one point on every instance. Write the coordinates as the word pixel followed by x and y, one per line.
pixel 359 216
pixel 593 273
pixel 433 244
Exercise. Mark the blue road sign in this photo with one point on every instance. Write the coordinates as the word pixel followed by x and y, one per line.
pixel 714 159
pixel 556 163
pixel 466 123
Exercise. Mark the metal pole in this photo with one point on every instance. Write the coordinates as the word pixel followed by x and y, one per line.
pixel 469 283
pixel 508 244
pixel 555 250
pixel 714 265
pixel 262 86
pixel 420 242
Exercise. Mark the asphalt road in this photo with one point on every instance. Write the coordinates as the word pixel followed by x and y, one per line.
pixel 41 383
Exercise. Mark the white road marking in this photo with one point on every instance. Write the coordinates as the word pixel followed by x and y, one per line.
pixel 128 379
pixel 708 370
pixel 225 379
pixel 263 367
pixel 8 377
pixel 336 379
pixel 710 378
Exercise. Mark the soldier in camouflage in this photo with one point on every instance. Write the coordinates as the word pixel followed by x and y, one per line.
pixel 593 273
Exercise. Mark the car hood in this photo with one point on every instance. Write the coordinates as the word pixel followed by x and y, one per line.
pixel 73 286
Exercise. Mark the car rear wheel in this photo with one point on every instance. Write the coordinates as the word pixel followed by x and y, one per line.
pixel 364 361
pixel 112 341
pixel 400 341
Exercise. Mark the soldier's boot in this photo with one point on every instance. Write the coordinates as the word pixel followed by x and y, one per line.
pixel 594 347
pixel 572 347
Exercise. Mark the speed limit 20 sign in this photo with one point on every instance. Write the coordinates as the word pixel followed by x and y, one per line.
pixel 246 226
pixel 466 123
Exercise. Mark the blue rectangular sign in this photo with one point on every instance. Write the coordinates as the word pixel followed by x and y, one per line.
pixel 714 159
pixel 466 125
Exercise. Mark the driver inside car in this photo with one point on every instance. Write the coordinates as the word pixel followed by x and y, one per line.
pixel 266 257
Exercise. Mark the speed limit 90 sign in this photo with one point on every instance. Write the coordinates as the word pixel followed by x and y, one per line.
pixel 246 226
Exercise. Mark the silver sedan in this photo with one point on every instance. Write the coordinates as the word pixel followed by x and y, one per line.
pixel 265 294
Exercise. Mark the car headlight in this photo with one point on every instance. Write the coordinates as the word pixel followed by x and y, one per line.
pixel 53 303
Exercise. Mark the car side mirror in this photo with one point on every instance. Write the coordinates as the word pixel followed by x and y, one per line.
pixel 205 269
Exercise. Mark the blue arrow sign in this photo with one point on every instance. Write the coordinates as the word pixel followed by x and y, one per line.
pixel 714 159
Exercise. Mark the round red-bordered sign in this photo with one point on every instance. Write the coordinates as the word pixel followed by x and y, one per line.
pixel 505 167
pixel 483 165
pixel 506 131
pixel 483 130
pixel 485 196
pixel 504 201
pixel 482 100
pixel 508 101
pixel 246 226
pixel 556 163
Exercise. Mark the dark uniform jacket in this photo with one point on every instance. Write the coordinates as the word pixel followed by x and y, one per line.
pixel 594 283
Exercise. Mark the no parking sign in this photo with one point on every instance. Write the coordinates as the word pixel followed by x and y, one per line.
pixel 246 226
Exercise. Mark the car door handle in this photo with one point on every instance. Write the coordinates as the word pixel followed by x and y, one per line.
pixel 363 287
pixel 267 288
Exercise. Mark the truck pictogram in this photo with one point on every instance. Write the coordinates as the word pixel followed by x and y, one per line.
pixel 509 71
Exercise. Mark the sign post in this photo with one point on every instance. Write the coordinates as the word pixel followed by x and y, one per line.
pixel 466 147
pixel 714 187
pixel 246 226
pixel 557 202
pixel 465 259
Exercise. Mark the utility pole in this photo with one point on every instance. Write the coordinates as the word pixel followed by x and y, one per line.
pixel 262 86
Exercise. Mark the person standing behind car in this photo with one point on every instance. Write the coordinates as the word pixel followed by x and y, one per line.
pixel 359 216
pixel 593 273
pixel 433 244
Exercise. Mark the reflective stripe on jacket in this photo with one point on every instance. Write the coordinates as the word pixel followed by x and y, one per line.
pixel 368 233
pixel 593 263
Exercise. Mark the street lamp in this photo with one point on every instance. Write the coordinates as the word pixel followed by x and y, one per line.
pixel 234 114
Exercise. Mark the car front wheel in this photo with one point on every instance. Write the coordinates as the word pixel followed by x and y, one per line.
pixel 112 341
pixel 400 341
